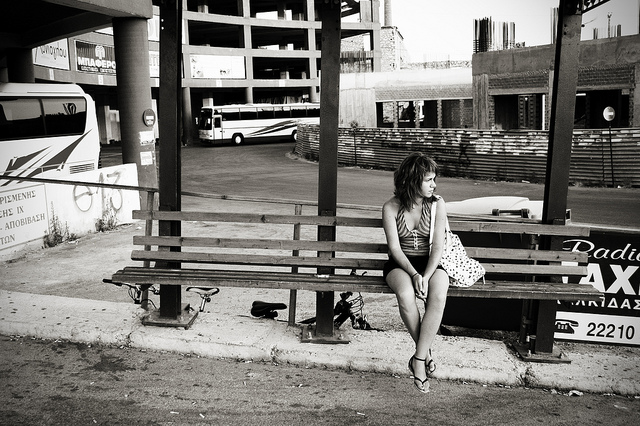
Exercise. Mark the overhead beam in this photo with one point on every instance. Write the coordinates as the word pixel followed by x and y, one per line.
pixel 113 8
pixel 72 26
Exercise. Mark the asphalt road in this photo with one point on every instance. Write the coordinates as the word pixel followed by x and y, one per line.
pixel 48 382
pixel 267 170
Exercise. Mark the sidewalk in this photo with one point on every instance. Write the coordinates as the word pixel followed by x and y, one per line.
pixel 58 294
pixel 222 334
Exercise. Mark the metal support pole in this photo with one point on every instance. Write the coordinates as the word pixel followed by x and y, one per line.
pixel 563 103
pixel 148 231
pixel 613 178
pixel 293 294
pixel 170 100
pixel 328 151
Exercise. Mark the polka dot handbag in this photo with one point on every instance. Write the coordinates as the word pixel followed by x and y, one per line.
pixel 463 271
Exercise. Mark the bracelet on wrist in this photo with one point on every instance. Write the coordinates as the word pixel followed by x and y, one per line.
pixel 414 275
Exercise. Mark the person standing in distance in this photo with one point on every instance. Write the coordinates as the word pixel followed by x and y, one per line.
pixel 413 270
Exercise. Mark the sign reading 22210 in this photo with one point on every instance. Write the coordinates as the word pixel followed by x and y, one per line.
pixel 614 269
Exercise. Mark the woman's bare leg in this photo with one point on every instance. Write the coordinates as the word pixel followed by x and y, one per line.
pixel 400 282
pixel 434 310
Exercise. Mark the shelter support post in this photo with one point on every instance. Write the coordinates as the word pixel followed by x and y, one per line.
pixel 328 153
pixel 171 313
pixel 563 101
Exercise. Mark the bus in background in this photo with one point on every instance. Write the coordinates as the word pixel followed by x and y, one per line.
pixel 46 131
pixel 255 122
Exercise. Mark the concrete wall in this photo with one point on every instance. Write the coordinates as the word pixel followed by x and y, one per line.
pixel 33 210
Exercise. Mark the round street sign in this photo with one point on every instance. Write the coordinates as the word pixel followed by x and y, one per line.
pixel 149 117
pixel 609 113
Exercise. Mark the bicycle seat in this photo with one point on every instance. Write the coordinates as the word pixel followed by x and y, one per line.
pixel 204 291
pixel 205 294
pixel 265 309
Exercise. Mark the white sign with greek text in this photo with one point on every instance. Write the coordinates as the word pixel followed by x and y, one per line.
pixel 23 215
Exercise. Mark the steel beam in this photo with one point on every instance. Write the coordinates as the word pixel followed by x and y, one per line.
pixel 169 102
pixel 328 151
pixel 563 103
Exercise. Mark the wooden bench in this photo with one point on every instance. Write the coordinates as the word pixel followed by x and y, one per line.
pixel 283 252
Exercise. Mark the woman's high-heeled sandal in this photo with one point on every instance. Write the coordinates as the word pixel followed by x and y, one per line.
pixel 411 365
pixel 417 382
pixel 431 365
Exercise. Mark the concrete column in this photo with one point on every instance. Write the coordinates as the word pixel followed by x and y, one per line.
pixel 396 116
pixel 134 97
pixel 104 124
pixel 20 66
pixel 187 117
pixel 310 13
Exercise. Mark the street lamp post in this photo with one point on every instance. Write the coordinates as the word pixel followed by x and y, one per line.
pixel 609 114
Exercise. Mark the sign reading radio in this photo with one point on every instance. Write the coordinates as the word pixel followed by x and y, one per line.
pixel 95 58
pixel 614 269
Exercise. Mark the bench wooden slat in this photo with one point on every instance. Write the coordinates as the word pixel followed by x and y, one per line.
pixel 456 225
pixel 246 218
pixel 255 259
pixel 338 262
pixel 365 284
pixel 526 254
pixel 307 245
pixel 341 246
pixel 520 228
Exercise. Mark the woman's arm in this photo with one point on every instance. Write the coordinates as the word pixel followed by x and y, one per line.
pixel 437 246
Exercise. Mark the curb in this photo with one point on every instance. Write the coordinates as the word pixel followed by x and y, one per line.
pixel 593 368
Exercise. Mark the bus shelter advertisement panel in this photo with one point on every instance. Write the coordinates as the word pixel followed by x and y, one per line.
pixel 614 263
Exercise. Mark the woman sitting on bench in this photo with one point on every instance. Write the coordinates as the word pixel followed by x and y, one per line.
pixel 413 267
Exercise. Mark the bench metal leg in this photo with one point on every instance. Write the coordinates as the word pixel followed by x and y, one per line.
pixel 545 326
pixel 538 345
pixel 293 299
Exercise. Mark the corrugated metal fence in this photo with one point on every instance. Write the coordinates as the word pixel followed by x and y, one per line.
pixel 487 154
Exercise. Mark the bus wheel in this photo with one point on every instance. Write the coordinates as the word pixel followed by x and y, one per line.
pixel 294 136
pixel 237 138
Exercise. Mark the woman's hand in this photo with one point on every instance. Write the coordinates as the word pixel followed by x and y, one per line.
pixel 419 284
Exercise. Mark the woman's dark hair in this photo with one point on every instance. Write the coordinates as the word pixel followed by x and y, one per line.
pixel 408 177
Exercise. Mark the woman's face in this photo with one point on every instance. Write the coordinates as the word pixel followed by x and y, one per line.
pixel 428 185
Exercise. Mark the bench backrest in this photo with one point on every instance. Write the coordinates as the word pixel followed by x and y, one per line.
pixel 290 243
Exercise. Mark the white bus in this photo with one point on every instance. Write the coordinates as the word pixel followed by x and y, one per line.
pixel 258 122
pixel 46 131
